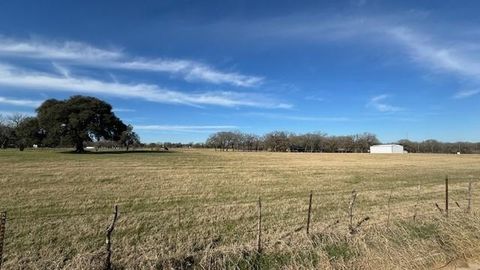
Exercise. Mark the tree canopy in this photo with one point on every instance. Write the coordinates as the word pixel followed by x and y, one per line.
pixel 78 119
pixel 129 137
pixel 28 132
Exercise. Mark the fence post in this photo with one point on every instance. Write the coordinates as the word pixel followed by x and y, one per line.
pixel 3 222
pixel 309 212
pixel 179 217
pixel 350 208
pixel 259 233
pixel 108 262
pixel 446 196
pixel 469 197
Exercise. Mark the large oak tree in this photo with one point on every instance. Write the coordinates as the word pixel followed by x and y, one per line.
pixel 79 119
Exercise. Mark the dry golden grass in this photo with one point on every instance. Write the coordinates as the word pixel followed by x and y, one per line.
pixel 199 207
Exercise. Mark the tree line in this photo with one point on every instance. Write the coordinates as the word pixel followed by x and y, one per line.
pixel 434 146
pixel 77 121
pixel 282 141
pixel 81 120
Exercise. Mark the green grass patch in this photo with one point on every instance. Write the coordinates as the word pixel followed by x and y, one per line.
pixel 424 230
pixel 339 251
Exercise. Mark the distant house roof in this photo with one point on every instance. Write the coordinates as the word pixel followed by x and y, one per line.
pixel 386 145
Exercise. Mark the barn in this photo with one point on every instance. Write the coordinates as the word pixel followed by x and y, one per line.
pixel 386 149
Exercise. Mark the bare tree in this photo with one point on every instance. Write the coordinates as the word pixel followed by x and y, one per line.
pixel 281 141
pixel 129 137
pixel 16 119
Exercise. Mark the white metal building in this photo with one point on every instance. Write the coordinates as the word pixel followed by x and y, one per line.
pixel 386 149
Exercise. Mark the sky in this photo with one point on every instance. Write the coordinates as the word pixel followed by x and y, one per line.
pixel 181 70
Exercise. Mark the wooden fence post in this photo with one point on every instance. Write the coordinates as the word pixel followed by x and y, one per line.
pixel 309 212
pixel 179 217
pixel 3 222
pixel 259 232
pixel 350 208
pixel 446 196
pixel 469 197
pixel 108 261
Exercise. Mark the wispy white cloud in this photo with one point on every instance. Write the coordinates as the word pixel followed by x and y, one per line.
pixel 190 70
pixel 62 70
pixel 11 113
pixel 380 104
pixel 466 93
pixel 410 33
pixel 25 79
pixel 20 102
pixel 69 50
pixel 437 55
pixel 281 30
pixel 84 54
pixel 184 128
pixel 455 57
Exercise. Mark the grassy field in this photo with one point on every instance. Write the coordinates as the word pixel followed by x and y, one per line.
pixel 198 208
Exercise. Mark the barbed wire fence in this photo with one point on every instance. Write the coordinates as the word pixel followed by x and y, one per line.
pixel 262 217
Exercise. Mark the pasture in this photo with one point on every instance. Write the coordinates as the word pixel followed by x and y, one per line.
pixel 198 209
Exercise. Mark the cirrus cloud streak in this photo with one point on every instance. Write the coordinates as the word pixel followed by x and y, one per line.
pixel 20 102
pixel 79 53
pixel 26 79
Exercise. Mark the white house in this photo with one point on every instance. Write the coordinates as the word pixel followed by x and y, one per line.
pixel 386 149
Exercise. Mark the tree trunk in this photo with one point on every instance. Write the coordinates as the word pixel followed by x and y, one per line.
pixel 79 146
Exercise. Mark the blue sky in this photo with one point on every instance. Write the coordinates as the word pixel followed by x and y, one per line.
pixel 180 70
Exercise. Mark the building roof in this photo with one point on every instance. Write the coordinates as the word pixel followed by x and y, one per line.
pixel 386 145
